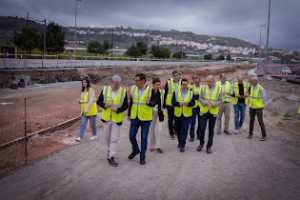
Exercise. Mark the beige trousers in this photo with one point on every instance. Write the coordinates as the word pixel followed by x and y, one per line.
pixel 112 136
pixel 155 131
pixel 224 109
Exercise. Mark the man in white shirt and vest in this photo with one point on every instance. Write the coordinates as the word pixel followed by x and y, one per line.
pixel 114 102
pixel 140 112
pixel 257 100
pixel 210 98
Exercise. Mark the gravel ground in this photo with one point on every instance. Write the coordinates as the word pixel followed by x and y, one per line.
pixel 238 169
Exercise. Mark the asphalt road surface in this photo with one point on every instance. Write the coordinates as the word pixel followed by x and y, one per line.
pixel 238 168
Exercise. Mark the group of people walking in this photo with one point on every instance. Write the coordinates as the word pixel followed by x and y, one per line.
pixel 188 107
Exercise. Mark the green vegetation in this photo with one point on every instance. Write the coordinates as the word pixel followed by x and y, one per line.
pixel 137 50
pixel 160 52
pixel 98 48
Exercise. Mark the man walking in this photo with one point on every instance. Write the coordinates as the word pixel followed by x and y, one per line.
pixel 195 87
pixel 240 94
pixel 183 103
pixel 113 100
pixel 140 114
pixel 225 106
pixel 210 99
pixel 171 86
pixel 257 101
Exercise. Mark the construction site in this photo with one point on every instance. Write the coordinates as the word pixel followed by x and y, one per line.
pixel 38 154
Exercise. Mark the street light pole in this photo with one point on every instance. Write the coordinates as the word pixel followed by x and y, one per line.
pixel 75 34
pixel 268 29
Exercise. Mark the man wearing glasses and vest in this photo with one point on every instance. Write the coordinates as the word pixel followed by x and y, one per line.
pixel 225 106
pixel 113 100
pixel 170 87
pixel 257 99
pixel 183 103
pixel 210 98
pixel 140 114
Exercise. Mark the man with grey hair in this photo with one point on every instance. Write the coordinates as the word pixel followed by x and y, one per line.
pixel 113 100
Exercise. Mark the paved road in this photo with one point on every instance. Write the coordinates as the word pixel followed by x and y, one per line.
pixel 35 63
pixel 238 169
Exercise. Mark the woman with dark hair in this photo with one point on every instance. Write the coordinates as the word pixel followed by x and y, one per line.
pixel 88 108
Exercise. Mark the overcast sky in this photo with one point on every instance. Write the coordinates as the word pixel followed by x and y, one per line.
pixel 237 18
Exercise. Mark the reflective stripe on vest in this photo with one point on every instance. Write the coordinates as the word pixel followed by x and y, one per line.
pixel 84 100
pixel 172 87
pixel 256 100
pixel 186 111
pixel 108 114
pixel 213 96
pixel 139 108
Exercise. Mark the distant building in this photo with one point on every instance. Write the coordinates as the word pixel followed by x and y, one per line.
pixel 117 52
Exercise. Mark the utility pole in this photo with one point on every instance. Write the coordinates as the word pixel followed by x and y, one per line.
pixel 268 29
pixel 75 34
pixel 261 27
pixel 44 41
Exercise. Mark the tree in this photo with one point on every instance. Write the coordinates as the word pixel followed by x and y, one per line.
pixel 160 52
pixel 207 57
pixel 94 47
pixel 221 57
pixel 105 46
pixel 228 57
pixel 179 55
pixel 137 50
pixel 27 39
pixel 55 38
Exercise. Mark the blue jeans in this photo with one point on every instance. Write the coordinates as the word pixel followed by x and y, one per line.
pixel 195 117
pixel 182 127
pixel 134 127
pixel 239 115
pixel 83 123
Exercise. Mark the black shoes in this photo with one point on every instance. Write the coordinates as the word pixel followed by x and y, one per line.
pixel 192 139
pixel 181 149
pixel 250 136
pixel 263 139
pixel 159 150
pixel 227 132
pixel 132 155
pixel 112 162
pixel 143 162
pixel 199 148
pixel 172 137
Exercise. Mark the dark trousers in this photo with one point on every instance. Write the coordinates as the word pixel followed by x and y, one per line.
pixel 134 127
pixel 171 120
pixel 182 127
pixel 195 117
pixel 259 114
pixel 211 120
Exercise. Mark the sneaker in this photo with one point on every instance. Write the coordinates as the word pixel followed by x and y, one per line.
pixel 159 150
pixel 250 136
pixel 93 137
pixel 78 139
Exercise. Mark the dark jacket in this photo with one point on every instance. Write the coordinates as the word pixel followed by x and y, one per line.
pixel 157 98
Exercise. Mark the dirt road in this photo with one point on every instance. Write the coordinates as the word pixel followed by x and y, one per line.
pixel 238 169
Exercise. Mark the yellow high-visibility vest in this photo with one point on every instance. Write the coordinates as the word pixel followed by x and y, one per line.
pixel 299 110
pixel 186 111
pixel 118 100
pixel 139 109
pixel 256 100
pixel 172 87
pixel 84 100
pixel 226 90
pixel 213 96
pixel 236 92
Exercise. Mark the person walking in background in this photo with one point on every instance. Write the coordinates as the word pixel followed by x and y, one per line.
pixel 183 103
pixel 171 86
pixel 225 106
pixel 113 99
pixel 195 87
pixel 158 116
pixel 141 114
pixel 88 109
pixel 257 100
pixel 210 98
pixel 239 100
